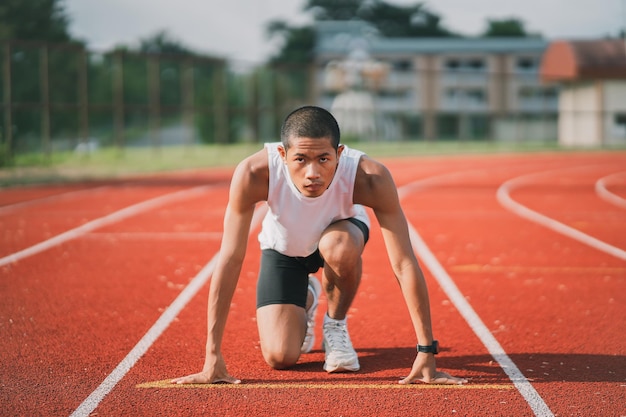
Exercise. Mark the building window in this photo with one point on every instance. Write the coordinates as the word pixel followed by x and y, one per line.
pixel 476 64
pixel 467 95
pixel 403 65
pixel 528 93
pixel 453 64
pixel 476 95
pixel 550 93
pixel 526 64
pixel 451 93
pixel 471 64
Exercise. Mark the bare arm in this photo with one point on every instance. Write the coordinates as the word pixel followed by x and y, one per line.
pixel 249 186
pixel 375 188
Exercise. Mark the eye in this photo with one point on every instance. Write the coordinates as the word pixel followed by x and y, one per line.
pixel 323 159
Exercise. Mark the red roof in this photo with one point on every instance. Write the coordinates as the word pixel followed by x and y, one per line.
pixel 575 60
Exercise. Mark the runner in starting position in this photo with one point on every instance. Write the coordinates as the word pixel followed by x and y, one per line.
pixel 316 190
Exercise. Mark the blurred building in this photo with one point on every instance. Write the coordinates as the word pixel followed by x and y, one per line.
pixel 457 88
pixel 592 102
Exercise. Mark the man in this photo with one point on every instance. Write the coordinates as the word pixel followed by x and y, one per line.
pixel 316 190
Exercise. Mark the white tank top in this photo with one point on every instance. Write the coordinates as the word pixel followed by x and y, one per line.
pixel 294 223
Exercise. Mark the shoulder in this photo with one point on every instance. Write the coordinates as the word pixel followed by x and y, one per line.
pixel 251 177
pixel 371 173
pixel 373 182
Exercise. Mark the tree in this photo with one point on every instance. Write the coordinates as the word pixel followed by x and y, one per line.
pixel 298 42
pixel 36 20
pixel 402 21
pixel 334 9
pixel 163 43
pixel 39 23
pixel 508 28
pixel 390 20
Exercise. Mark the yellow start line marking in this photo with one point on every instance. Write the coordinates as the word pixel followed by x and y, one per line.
pixel 540 269
pixel 282 385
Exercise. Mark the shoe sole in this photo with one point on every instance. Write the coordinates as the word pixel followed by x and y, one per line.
pixel 317 289
pixel 340 367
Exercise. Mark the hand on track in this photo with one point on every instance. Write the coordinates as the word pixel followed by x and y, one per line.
pixel 424 370
pixel 204 378
pixel 214 371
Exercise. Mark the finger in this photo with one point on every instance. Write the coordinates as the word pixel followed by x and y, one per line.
pixel 202 379
pixel 447 381
pixel 443 378
pixel 440 379
pixel 410 379
pixel 190 379
pixel 228 380
pixel 405 381
pixel 451 380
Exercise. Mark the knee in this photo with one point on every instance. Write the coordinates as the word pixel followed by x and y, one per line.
pixel 342 247
pixel 342 260
pixel 340 252
pixel 281 360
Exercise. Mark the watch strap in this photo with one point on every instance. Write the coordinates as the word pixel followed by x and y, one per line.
pixel 433 348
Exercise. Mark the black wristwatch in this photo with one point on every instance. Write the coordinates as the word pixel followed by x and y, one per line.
pixel 434 348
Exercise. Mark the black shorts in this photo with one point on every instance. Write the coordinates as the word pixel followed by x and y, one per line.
pixel 284 279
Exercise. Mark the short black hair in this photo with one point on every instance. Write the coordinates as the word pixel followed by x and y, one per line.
pixel 310 122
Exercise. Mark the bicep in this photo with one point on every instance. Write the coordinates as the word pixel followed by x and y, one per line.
pixel 395 233
pixel 385 202
pixel 246 190
pixel 235 231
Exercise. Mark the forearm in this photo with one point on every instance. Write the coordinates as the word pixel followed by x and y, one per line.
pixel 415 293
pixel 223 284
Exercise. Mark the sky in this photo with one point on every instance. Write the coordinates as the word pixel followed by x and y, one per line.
pixel 235 29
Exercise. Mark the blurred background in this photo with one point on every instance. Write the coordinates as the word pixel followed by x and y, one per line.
pixel 80 78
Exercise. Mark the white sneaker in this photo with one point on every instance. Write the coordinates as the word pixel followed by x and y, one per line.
pixel 340 355
pixel 309 340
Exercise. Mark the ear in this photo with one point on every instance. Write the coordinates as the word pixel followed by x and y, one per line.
pixel 282 152
pixel 340 150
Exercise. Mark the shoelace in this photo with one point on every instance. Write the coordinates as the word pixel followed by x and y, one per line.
pixel 337 336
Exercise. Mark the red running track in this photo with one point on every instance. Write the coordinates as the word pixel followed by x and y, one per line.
pixel 104 294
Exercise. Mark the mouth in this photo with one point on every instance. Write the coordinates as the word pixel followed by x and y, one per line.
pixel 314 187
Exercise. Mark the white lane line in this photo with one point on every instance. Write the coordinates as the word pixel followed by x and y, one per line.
pixel 525 388
pixel 163 322
pixel 100 222
pixel 434 181
pixel 503 195
pixel 607 195
pixel 154 236
pixel 56 197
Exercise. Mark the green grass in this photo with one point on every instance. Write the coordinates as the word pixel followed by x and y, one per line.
pixel 110 163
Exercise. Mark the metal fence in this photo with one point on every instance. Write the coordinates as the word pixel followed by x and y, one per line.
pixel 58 97
pixel 62 97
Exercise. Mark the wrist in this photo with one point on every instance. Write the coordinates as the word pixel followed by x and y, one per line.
pixel 432 348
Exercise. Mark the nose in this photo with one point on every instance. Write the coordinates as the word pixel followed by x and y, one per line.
pixel 312 171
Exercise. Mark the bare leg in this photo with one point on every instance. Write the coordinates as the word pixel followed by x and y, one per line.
pixel 282 328
pixel 341 247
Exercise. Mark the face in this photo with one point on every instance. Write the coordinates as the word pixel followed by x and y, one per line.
pixel 311 164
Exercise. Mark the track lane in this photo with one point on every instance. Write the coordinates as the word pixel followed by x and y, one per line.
pixel 76 309
pixel 612 188
pixel 382 334
pixel 535 288
pixel 553 201
pixel 60 219
pixel 481 259
pixel 386 363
